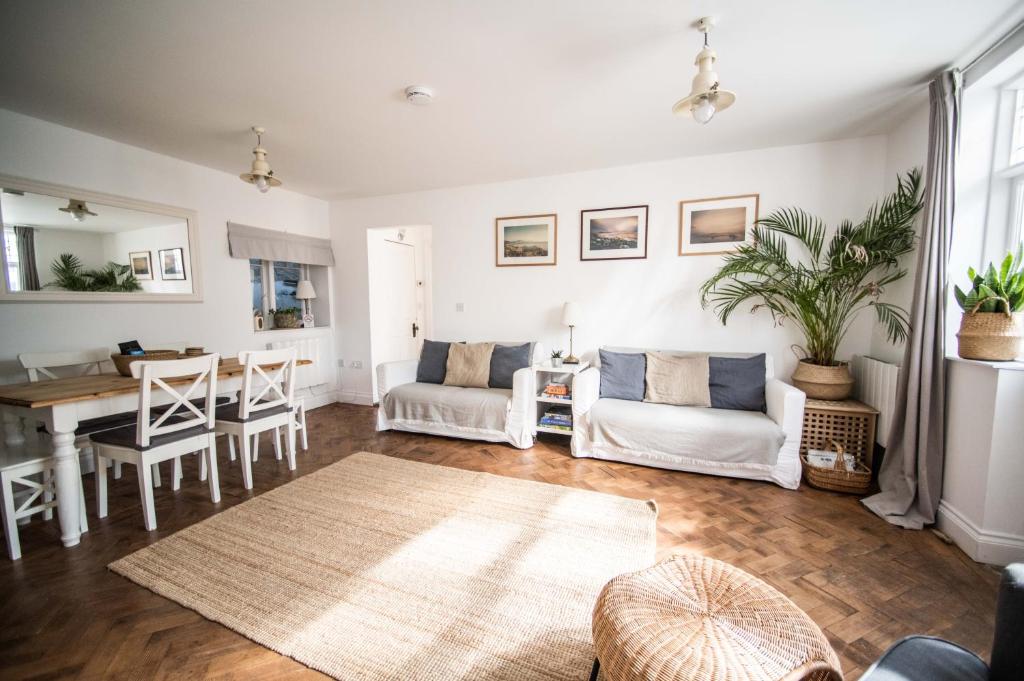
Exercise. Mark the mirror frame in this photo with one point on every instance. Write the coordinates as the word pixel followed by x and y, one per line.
pixel 59 296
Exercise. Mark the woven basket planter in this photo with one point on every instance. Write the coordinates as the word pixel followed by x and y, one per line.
pixel 287 321
pixel 124 362
pixel 991 335
pixel 822 382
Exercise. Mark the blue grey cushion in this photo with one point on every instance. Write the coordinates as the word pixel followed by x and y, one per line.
pixel 927 659
pixel 622 375
pixel 737 383
pixel 433 362
pixel 505 361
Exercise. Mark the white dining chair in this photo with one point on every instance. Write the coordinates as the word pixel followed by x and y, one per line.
pixel 266 402
pixel 300 427
pixel 168 433
pixel 24 494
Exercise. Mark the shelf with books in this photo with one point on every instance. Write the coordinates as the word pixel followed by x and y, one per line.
pixel 554 397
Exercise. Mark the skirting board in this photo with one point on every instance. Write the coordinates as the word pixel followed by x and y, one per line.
pixel 353 397
pixel 994 548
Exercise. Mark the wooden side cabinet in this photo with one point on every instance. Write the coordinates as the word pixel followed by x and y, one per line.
pixel 848 422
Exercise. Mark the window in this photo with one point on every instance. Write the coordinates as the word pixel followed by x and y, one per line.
pixel 1017 143
pixel 1014 171
pixel 13 261
pixel 274 284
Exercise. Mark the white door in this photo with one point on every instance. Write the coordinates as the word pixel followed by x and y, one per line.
pixel 396 326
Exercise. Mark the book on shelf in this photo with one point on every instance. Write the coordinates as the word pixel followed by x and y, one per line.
pixel 556 390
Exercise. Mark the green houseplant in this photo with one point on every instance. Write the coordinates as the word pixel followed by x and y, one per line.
pixel 70 275
pixel 822 284
pixel 556 358
pixel 287 318
pixel 992 327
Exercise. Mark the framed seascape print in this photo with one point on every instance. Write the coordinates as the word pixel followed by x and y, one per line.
pixel 613 233
pixel 142 264
pixel 718 225
pixel 172 264
pixel 526 240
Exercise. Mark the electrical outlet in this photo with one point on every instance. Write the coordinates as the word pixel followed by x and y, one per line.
pixel 356 364
pixel 460 307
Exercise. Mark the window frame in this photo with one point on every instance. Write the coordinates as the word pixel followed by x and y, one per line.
pixel 13 259
pixel 269 284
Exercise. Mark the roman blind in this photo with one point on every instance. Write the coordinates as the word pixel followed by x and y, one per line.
pixel 268 244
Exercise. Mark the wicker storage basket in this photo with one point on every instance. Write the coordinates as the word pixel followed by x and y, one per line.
pixel 124 362
pixel 991 335
pixel 837 478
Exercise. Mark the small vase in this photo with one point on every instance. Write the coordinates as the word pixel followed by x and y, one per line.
pixel 823 382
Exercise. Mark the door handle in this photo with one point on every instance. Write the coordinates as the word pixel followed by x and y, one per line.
pixel 415 329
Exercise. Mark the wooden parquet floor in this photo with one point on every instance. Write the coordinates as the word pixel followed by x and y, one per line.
pixel 866 583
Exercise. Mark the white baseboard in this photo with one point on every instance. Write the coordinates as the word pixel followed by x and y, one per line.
pixel 355 397
pixel 995 548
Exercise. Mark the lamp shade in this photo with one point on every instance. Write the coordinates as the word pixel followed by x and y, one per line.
pixel 572 314
pixel 304 290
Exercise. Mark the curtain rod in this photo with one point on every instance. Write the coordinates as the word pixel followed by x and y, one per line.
pixel 1009 35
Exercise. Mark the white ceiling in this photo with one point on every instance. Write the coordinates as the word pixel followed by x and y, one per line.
pixel 37 210
pixel 523 87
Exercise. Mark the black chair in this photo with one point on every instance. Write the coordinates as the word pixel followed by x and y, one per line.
pixel 926 658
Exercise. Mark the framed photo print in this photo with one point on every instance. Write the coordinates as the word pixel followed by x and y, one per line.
pixel 613 233
pixel 172 264
pixel 719 225
pixel 142 264
pixel 526 240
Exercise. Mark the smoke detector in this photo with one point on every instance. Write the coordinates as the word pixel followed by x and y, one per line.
pixel 418 94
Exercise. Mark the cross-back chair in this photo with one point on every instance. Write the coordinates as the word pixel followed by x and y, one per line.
pixel 166 432
pixel 266 402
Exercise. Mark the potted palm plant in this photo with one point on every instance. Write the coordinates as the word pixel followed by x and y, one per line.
pixel 992 327
pixel 824 285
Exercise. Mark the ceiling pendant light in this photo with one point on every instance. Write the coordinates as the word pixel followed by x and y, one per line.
pixel 705 98
pixel 260 174
pixel 78 210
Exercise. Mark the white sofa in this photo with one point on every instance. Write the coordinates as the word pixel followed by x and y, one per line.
pixel 739 444
pixel 490 414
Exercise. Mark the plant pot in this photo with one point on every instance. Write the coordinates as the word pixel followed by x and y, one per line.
pixel 287 321
pixel 556 361
pixel 823 382
pixel 994 336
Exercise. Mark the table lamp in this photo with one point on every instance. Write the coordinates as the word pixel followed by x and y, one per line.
pixel 572 315
pixel 304 292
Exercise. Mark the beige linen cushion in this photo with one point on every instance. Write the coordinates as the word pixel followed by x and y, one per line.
pixel 469 364
pixel 677 380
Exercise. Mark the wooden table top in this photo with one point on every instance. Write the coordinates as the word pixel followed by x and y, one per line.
pixel 85 388
pixel 847 406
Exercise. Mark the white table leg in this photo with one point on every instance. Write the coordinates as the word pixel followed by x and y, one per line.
pixel 65 470
pixel 14 429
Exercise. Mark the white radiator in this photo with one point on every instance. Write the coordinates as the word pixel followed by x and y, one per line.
pixel 313 349
pixel 876 387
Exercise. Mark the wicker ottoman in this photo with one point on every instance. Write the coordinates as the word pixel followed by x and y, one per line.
pixel 695 618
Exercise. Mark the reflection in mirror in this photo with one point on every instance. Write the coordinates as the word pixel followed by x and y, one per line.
pixel 68 244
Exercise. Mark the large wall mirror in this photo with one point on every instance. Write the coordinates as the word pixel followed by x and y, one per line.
pixel 66 244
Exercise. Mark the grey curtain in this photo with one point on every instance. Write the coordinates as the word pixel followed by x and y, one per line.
pixel 26 237
pixel 911 474
pixel 268 244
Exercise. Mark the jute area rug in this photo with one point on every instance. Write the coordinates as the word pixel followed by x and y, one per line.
pixel 379 568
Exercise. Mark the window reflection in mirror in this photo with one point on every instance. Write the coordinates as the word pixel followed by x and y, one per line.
pixel 68 244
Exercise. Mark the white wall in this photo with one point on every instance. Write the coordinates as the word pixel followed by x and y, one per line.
pixel 652 302
pixel 222 322
pixel 906 147
pixel 50 243
pixel 153 239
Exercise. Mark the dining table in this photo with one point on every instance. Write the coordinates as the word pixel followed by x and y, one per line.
pixel 62 403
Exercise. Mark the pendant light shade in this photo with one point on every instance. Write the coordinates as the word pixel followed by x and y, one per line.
pixel 706 98
pixel 78 210
pixel 260 174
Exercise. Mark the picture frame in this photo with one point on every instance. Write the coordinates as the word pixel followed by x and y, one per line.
pixel 614 233
pixel 172 264
pixel 142 265
pixel 716 225
pixel 526 240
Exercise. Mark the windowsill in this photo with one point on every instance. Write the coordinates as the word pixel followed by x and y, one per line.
pixel 1012 365
pixel 299 328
